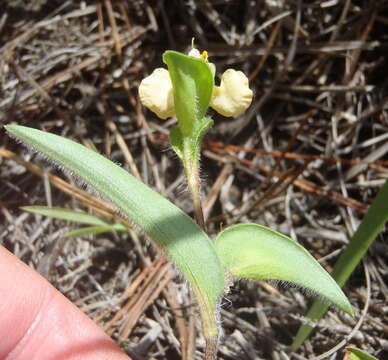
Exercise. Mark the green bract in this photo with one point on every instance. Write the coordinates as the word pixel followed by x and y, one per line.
pixel 193 83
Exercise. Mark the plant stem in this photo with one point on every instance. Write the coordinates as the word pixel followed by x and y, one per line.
pixel 191 168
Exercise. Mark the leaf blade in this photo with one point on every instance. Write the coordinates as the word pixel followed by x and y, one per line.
pixel 76 216
pixel 257 252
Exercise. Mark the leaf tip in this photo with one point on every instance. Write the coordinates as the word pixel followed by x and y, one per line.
pixel 8 128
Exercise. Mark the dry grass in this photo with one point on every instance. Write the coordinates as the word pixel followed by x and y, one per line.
pixel 306 159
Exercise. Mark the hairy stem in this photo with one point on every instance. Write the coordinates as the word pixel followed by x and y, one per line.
pixel 191 167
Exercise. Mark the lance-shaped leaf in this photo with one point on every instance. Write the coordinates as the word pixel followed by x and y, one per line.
pixel 76 216
pixel 99 225
pixel 256 252
pixel 175 232
pixel 193 82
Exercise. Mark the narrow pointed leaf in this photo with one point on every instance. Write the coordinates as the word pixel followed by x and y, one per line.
pixel 193 83
pixel 371 225
pixel 175 232
pixel 257 252
pixel 75 216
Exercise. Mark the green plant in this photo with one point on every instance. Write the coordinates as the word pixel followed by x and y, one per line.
pixel 363 238
pixel 243 251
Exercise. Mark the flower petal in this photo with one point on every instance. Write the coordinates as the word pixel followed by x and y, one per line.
pixel 155 92
pixel 233 96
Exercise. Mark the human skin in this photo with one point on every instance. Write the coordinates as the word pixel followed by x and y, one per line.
pixel 38 323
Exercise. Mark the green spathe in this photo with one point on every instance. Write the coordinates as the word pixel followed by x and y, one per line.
pixel 192 82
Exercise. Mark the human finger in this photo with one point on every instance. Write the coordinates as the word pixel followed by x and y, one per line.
pixel 38 323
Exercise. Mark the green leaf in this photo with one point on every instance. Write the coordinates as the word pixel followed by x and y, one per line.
pixel 193 82
pixel 363 238
pixel 91 230
pixel 175 232
pixel 357 354
pixel 79 217
pixel 257 252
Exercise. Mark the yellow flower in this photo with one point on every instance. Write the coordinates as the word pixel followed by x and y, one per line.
pixel 231 98
pixel 155 92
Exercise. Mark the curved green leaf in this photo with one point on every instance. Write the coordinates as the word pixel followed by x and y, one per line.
pixel 257 252
pixel 193 82
pixel 175 232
